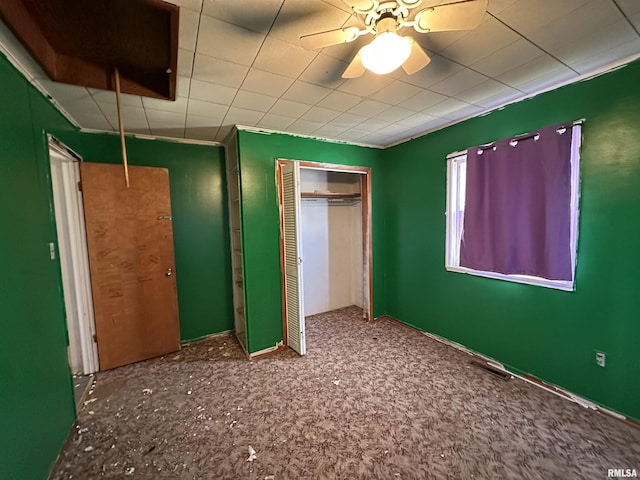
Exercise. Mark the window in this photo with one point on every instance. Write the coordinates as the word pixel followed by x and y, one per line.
pixel 537 182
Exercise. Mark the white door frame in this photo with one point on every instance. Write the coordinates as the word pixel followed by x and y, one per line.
pixel 365 189
pixel 74 259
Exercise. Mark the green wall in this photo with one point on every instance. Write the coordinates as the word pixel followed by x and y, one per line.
pixel 200 222
pixel 261 223
pixel 547 333
pixel 36 400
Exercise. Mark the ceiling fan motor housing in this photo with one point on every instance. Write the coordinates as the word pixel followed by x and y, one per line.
pixel 387 23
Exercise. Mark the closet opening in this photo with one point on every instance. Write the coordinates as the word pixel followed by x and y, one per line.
pixel 325 242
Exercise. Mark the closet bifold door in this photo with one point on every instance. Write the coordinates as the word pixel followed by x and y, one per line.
pixel 293 284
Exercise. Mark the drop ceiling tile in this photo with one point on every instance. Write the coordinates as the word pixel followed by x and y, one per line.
pixel 242 116
pixel 416 120
pixel 108 96
pixel 206 109
pixel 345 52
pixel 487 89
pixel 64 92
pixel 576 24
pixel 288 108
pixel 257 16
pixel 188 31
pixel 277 56
pixel 526 16
pixel 210 92
pixel 351 135
pixel 132 117
pixel 422 100
pixel 164 119
pixel 397 92
pixel 253 101
pixel 518 53
pixel 324 71
pixel 304 127
pixel 266 83
pixel 459 82
pixel 304 92
pixel 218 71
pixel 167 132
pixel 445 108
pixel 488 38
pixel 202 133
pixel 543 83
pixel 369 108
pixel 435 42
pixel 200 121
pixel 329 131
pixel 340 101
pixel 190 4
pixel 629 7
pixel 464 113
pixel 183 85
pixel 438 69
pixel 376 139
pixel 177 106
pixel 624 52
pixel 185 63
pixel 229 42
pixel 373 124
pixel 348 120
pixel 319 115
pixel 497 6
pixel 275 122
pixel 91 120
pixel 500 99
pixel 302 17
pixel 635 21
pixel 366 85
pixel 394 114
pixel 598 41
pixel 393 130
pixel 534 69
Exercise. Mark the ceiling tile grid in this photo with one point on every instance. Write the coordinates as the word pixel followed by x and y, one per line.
pixel 240 62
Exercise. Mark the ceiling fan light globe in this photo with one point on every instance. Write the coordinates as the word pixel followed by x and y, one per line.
pixel 386 53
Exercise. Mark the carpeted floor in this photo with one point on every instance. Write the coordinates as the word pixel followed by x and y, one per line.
pixel 369 401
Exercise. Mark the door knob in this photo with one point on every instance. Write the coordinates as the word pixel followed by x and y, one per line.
pixel 169 272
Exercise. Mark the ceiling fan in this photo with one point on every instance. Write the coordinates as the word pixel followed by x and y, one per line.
pixel 384 19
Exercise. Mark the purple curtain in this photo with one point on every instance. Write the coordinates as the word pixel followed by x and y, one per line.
pixel 517 207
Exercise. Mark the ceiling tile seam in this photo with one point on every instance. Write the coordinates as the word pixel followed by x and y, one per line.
pixel 535 44
pixel 100 109
pixel 468 67
pixel 615 2
pixel 264 39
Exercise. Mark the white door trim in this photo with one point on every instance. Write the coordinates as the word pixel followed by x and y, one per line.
pixel 74 259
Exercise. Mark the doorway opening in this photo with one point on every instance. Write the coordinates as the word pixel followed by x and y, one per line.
pixel 74 259
pixel 325 242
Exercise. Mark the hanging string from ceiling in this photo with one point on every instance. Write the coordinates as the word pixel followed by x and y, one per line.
pixel 125 164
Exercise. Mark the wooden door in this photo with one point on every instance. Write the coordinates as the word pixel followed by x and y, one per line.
pixel 130 244
pixel 294 294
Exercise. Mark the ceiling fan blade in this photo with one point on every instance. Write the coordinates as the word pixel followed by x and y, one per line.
pixel 315 41
pixel 361 6
pixel 464 15
pixel 356 68
pixel 418 58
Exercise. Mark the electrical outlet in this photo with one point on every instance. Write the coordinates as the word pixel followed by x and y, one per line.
pixel 601 359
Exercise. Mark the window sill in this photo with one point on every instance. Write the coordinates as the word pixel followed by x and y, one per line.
pixel 536 281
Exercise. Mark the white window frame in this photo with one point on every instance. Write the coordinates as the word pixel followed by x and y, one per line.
pixel 456 180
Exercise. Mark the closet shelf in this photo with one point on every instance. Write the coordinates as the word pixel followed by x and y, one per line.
pixel 336 195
